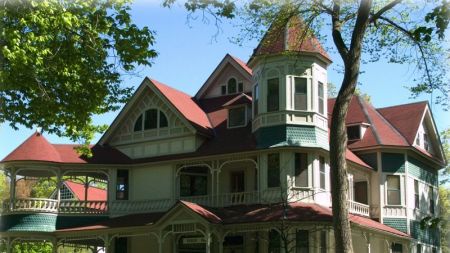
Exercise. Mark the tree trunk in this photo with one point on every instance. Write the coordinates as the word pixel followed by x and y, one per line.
pixel 338 133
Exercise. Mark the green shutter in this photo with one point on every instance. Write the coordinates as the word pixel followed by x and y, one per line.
pixel 397 223
pixel 422 171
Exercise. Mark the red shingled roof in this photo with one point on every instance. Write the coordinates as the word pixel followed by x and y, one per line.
pixel 289 36
pixel 37 148
pixel 405 118
pixel 185 104
pixel 242 64
pixel 298 212
pixel 94 193
pixel 379 132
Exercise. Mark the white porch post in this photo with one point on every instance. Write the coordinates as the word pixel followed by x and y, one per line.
pixel 54 246
pixel 208 242
pixel 367 238
pixel 58 188
pixel 12 189
pixel 8 245
pixel 212 195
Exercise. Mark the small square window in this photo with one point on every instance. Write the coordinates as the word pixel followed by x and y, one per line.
pixel 223 90
pixel 236 117
pixel 353 132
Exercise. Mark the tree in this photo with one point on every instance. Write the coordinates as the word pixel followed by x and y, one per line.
pixel 401 32
pixel 61 61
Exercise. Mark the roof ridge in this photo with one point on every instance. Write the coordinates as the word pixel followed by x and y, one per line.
pixel 391 106
pixel 388 123
pixel 366 114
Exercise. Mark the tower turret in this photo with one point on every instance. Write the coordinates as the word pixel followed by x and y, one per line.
pixel 290 87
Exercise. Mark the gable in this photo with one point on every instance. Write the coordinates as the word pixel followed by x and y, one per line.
pixel 179 135
pixel 228 68
pixel 427 137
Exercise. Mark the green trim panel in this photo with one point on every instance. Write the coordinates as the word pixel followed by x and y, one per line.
pixel 291 135
pixel 422 171
pixel 427 235
pixel 370 159
pixel 393 162
pixel 397 223
pixel 44 222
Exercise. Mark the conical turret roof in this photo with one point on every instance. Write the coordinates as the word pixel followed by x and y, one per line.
pixel 289 36
pixel 35 148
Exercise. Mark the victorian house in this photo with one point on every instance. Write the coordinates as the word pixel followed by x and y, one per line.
pixel 242 166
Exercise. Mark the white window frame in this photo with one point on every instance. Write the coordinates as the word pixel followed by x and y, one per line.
pixel 245 116
pixel 402 201
pixel 158 120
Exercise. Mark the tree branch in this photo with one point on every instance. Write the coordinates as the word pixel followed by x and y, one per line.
pixel 410 35
pixel 387 7
pixel 336 31
pixel 360 27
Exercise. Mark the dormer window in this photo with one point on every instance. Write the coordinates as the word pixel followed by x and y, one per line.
pixel 151 119
pixel 237 117
pixel 354 133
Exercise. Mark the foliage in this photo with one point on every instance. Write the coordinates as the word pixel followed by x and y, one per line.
pixel 444 215
pixel 332 92
pixel 61 62
pixel 32 247
pixel 445 139
pixel 4 186
pixel 364 95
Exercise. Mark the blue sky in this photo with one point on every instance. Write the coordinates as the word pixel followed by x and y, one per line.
pixel 188 54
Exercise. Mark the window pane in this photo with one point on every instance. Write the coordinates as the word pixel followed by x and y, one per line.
pixel 397 248
pixel 138 124
pixel 185 185
pixel 302 241
pixel 223 89
pixel 353 132
pixel 232 86
pixel 122 185
pixel 301 170
pixel 199 185
pixel 273 170
pixel 256 98
pixel 240 87
pixel 321 98
pixel 416 194
pixel 236 117
pixel 273 94
pixel 393 190
pixel 151 118
pixel 300 100
pixel 274 242
pixel 322 172
pixel 163 120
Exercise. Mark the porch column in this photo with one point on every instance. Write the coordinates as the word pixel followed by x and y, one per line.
pixel 12 189
pixel 367 239
pixel 208 242
pixel 107 244
pixel 54 246
pixel 160 245
pixel 212 195
pixel 58 187
pixel 8 245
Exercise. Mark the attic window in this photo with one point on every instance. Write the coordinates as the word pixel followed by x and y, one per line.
pixel 354 132
pixel 236 117
pixel 232 86
pixel 151 119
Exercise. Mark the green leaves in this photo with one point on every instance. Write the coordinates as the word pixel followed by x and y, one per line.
pixel 61 61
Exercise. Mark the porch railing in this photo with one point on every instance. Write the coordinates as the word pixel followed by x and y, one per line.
pixel 358 208
pixel 237 198
pixel 31 205
pixel 83 207
pixel 138 206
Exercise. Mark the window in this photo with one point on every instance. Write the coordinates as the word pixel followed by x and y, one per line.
pixel 121 244
pixel 273 95
pixel 274 242
pixel 255 98
pixel 419 248
pixel 273 170
pixel 322 172
pixel 122 185
pixel 426 142
pixel 232 86
pixel 416 194
pixel 418 140
pixel 193 182
pixel 236 116
pixel 396 248
pixel 393 190
pixel 301 169
pixel 353 133
pixel 431 199
pixel 302 241
pixel 321 98
pixel 223 90
pixel 240 87
pixel 323 241
pixel 301 99
pixel 138 124
pixel 151 119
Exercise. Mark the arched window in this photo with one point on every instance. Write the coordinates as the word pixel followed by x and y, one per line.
pixel 151 119
pixel 232 86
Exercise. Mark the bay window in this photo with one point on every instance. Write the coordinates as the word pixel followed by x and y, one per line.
pixel 321 98
pixel 273 94
pixel 301 169
pixel 301 97
pixel 273 170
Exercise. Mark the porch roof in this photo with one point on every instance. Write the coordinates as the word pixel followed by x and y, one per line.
pixel 257 213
